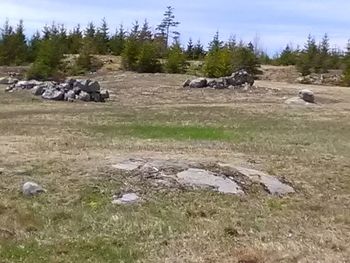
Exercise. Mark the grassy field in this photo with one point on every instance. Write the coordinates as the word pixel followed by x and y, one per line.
pixel 69 149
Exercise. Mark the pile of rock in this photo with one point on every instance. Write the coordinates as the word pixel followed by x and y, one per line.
pixel 331 78
pixel 70 90
pixel 238 80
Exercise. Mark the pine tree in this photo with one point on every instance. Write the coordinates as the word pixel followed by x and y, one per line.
pixel 90 35
pixel 190 49
pixel 176 59
pixel 102 38
pixel 117 42
pixel 75 40
pixel 198 50
pixel 166 26
pixel 34 46
pixel 215 44
pixel 145 33
pixel 346 71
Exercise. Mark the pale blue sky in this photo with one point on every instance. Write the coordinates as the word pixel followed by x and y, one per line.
pixel 274 22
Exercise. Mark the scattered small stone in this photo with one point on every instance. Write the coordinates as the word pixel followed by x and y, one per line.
pixel 130 198
pixel 32 189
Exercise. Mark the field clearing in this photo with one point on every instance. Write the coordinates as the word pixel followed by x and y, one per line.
pixel 70 148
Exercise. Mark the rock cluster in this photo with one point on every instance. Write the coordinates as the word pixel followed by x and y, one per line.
pixel 331 78
pixel 70 90
pixel 218 177
pixel 237 80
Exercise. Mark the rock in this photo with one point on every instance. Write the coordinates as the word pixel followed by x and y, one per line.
pixel 296 101
pixel 81 84
pixel 129 165
pixel 70 82
pixel 272 184
pixel 96 97
pixel 126 199
pixel 198 83
pixel 84 96
pixel 186 83
pixel 9 88
pixel 65 86
pixel 104 94
pixel 92 87
pixel 77 90
pixel 53 94
pixel 38 90
pixel 8 81
pixel 27 84
pixel 203 178
pixel 240 78
pixel 32 189
pixel 307 95
pixel 69 95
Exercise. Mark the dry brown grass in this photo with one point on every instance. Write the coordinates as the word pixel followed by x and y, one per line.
pixel 56 144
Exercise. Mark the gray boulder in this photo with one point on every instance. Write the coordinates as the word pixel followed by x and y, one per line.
pixel 92 87
pixel 186 83
pixel 240 78
pixel 84 96
pixel 96 97
pixel 53 94
pixel 38 90
pixel 198 83
pixel 69 95
pixel 126 199
pixel 104 94
pixel 307 95
pixel 32 189
pixel 27 84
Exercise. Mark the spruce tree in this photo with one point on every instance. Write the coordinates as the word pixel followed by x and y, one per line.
pixel 165 28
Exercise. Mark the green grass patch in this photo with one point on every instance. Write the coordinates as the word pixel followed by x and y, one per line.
pixel 174 132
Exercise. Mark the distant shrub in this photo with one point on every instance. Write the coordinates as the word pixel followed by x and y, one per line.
pixel 176 60
pixel 147 59
pixel 48 62
pixel 218 63
pixel 141 56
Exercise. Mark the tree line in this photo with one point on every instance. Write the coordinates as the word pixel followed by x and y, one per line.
pixel 145 50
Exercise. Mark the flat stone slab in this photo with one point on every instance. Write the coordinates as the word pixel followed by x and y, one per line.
pixel 174 173
pixel 129 165
pixel 130 198
pixel 203 178
pixel 272 184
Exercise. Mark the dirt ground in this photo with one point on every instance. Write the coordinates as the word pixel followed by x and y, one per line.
pixel 70 148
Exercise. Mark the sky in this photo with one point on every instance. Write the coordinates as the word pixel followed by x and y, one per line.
pixel 270 23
